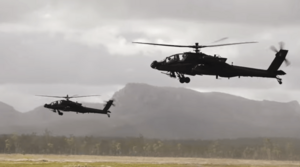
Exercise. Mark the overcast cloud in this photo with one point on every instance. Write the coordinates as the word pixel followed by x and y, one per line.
pixel 57 47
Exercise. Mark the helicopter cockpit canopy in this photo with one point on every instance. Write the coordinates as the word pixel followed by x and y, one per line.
pixel 56 102
pixel 175 58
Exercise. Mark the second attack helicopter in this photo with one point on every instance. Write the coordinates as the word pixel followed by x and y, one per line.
pixel 70 106
pixel 198 63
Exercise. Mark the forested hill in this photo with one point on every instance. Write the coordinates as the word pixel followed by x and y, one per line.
pixel 165 112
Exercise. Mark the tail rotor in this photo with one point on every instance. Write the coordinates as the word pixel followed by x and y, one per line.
pixel 281 47
pixel 113 104
pixel 111 101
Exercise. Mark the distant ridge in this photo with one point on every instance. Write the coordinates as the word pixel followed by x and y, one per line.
pixel 165 112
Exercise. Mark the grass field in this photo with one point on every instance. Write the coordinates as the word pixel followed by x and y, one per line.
pixel 19 160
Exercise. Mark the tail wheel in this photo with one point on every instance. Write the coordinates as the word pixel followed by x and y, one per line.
pixel 279 80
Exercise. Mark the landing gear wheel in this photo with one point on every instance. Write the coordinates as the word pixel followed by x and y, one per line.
pixel 181 80
pixel 187 80
pixel 184 80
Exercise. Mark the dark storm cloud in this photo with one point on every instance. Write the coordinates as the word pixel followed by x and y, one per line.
pixel 267 12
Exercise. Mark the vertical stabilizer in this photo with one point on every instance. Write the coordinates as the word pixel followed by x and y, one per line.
pixel 108 105
pixel 278 60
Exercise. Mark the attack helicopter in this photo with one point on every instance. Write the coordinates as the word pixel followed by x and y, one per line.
pixel 70 106
pixel 199 63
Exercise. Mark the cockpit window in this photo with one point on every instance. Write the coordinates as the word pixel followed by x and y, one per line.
pixel 182 57
pixel 56 103
pixel 173 58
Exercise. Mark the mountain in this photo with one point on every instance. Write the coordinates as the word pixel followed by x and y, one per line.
pixel 7 113
pixel 166 112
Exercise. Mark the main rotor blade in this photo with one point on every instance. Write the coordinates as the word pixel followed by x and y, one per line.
pixel 163 44
pixel 51 96
pixel 205 46
pixel 83 96
pixel 67 97
pixel 194 46
pixel 222 39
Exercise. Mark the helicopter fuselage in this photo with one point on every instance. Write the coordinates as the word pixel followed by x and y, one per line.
pixel 185 62
pixel 70 106
pixel 224 70
pixel 193 65
pixel 79 109
pixel 201 64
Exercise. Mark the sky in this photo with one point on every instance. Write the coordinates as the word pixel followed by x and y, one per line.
pixel 76 47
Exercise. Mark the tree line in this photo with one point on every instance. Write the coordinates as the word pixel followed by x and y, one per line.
pixel 245 148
